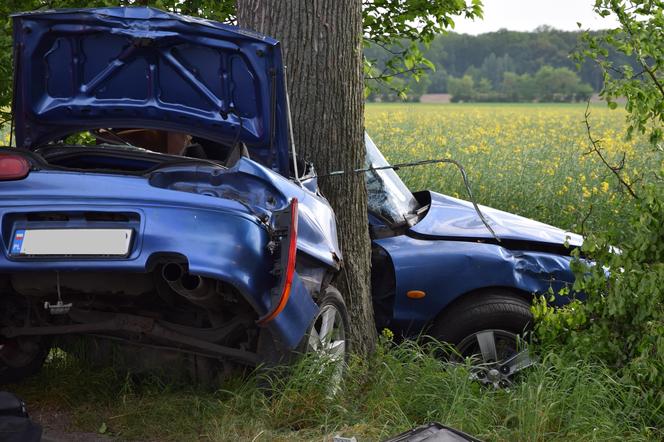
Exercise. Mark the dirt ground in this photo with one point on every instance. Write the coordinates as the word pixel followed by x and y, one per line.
pixel 57 427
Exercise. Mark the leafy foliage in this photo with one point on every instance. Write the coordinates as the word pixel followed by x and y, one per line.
pixel 402 28
pixel 499 56
pixel 641 37
pixel 621 321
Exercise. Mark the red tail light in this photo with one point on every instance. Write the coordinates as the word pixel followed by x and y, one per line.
pixel 290 268
pixel 13 167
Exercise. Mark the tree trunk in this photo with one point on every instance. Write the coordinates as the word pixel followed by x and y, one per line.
pixel 322 48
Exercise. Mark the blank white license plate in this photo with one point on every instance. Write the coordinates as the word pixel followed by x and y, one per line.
pixel 72 242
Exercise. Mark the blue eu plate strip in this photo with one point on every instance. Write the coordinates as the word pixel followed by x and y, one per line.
pixel 17 243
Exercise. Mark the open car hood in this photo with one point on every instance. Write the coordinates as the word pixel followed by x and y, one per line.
pixel 141 67
pixel 454 218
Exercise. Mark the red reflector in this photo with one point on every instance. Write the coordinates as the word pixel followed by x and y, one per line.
pixel 290 268
pixel 13 167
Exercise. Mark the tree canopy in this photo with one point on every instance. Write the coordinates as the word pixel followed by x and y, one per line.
pixel 640 40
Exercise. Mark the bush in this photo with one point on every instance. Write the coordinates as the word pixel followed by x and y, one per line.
pixel 621 321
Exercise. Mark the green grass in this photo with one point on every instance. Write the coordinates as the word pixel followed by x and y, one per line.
pixel 400 387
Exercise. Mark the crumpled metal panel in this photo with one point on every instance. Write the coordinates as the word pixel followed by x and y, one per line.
pixel 446 269
pixel 450 217
pixel 142 67
pixel 221 238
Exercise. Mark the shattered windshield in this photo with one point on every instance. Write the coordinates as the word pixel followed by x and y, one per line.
pixel 388 195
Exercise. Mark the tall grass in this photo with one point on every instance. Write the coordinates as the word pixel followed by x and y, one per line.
pixel 399 387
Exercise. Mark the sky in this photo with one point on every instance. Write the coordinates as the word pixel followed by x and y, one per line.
pixel 526 15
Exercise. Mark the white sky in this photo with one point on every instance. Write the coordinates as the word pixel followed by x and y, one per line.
pixel 526 15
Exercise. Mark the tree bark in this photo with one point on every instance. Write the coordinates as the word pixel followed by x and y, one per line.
pixel 322 48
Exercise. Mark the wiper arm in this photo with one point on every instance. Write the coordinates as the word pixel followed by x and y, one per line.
pixel 421 163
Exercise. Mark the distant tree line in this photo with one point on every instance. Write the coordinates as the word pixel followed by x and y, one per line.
pixel 497 66
pixel 549 84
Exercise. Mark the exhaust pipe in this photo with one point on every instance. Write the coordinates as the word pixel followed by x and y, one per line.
pixel 172 272
pixel 197 290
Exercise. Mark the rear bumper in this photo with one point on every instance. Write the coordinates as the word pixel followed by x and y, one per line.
pixel 218 238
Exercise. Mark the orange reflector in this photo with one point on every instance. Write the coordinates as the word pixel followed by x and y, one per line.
pixel 416 294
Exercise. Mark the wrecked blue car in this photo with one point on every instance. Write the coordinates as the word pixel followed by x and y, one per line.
pixel 438 269
pixel 149 204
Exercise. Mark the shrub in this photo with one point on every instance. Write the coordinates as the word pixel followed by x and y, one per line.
pixel 621 321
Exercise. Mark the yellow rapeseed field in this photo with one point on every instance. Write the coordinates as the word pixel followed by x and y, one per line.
pixel 530 159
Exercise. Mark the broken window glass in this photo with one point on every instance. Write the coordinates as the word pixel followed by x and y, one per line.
pixel 388 195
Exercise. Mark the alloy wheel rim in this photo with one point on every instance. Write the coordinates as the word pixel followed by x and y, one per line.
pixel 327 335
pixel 498 356
pixel 327 339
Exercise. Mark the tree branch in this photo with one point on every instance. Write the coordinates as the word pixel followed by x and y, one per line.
pixel 651 73
pixel 393 74
pixel 625 24
pixel 597 149
pixel 385 48
pixel 585 218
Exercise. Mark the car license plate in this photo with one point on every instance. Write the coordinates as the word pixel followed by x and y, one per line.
pixel 72 242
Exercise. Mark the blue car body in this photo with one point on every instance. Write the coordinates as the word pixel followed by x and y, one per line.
pixel 438 246
pixel 79 70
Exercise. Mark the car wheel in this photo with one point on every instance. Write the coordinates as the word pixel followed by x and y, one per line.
pixel 329 331
pixel 21 358
pixel 332 315
pixel 488 328
pixel 328 335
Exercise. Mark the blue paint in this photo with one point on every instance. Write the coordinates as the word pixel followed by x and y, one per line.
pixel 17 242
pixel 454 218
pixel 439 245
pixel 142 67
pixel 446 270
pixel 221 238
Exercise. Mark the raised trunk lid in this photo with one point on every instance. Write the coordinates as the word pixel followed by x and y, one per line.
pixel 142 67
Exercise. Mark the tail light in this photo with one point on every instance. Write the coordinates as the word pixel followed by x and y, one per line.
pixel 287 279
pixel 13 167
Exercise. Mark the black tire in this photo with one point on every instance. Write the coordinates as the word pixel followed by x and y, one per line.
pixel 498 310
pixel 21 358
